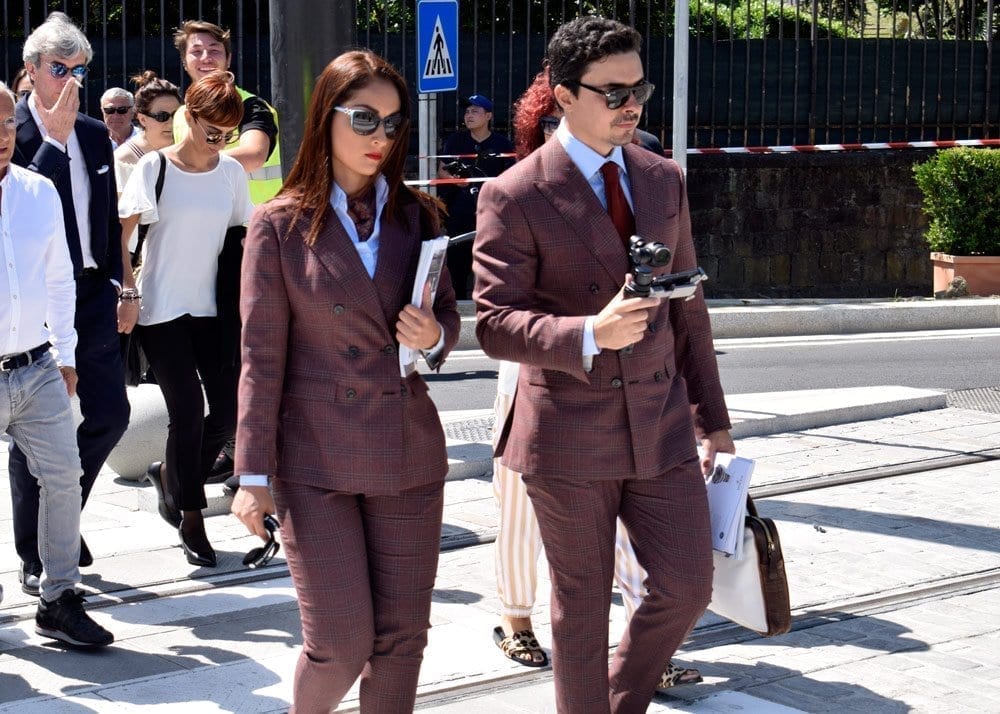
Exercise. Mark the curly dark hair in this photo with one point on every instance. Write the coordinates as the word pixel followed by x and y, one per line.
pixel 536 102
pixel 584 40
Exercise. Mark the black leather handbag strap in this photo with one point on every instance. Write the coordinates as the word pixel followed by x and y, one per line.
pixel 143 230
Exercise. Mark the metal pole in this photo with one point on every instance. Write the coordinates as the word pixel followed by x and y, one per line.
pixel 680 124
pixel 424 148
pixel 305 36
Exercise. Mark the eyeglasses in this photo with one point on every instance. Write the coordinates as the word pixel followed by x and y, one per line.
pixel 548 124
pixel 59 70
pixel 261 555
pixel 365 122
pixel 23 94
pixel 163 117
pixel 216 136
pixel 9 124
pixel 116 110
pixel 619 95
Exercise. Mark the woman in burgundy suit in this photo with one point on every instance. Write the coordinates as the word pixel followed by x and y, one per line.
pixel 354 452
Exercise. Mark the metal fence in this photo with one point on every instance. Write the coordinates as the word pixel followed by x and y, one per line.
pixel 761 71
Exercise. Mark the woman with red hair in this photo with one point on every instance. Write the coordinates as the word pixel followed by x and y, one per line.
pixel 518 543
pixel 355 453
pixel 190 195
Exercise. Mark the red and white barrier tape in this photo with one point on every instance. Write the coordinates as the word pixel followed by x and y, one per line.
pixel 470 156
pixel 812 148
pixel 790 149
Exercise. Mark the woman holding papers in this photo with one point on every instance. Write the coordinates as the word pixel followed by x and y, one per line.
pixel 354 452
pixel 519 543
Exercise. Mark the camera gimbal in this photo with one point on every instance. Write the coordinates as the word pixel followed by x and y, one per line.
pixel 648 255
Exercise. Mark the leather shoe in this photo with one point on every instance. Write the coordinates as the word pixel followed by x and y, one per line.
pixel 86 559
pixel 199 554
pixel 30 576
pixel 168 513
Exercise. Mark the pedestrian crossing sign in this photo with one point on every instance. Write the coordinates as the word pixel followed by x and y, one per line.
pixel 437 46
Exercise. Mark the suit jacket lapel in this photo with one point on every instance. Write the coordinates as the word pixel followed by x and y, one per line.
pixel 396 256
pixel 338 255
pixel 644 199
pixel 571 195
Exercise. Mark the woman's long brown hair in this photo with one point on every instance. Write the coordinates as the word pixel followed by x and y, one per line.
pixel 311 179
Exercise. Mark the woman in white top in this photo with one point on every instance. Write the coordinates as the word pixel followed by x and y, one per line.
pixel 204 194
pixel 156 100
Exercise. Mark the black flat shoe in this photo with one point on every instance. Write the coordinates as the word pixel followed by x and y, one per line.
pixel 170 515
pixel 203 559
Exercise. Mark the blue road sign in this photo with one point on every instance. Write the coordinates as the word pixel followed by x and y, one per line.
pixel 437 46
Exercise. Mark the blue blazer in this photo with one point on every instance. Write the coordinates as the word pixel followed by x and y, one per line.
pixel 44 158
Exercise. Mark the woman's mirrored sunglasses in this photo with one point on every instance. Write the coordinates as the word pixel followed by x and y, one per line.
pixel 161 116
pixel 365 122
pixel 619 95
pixel 548 124
pixel 59 70
pixel 261 556
pixel 216 136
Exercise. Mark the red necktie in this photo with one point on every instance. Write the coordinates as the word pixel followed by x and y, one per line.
pixel 618 208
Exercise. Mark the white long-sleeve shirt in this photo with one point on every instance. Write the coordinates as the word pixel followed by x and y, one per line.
pixel 37 289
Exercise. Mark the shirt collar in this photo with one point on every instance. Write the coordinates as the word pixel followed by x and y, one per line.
pixel 586 159
pixel 338 199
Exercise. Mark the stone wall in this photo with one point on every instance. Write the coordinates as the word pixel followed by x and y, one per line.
pixel 823 225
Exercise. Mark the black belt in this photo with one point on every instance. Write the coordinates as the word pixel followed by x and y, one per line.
pixel 90 273
pixel 12 362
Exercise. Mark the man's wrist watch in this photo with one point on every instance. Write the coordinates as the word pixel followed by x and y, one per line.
pixel 130 295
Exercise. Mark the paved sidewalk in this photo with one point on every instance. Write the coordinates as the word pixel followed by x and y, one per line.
pixel 206 641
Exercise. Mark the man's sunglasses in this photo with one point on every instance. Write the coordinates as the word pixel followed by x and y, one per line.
pixel 160 116
pixel 261 556
pixel 216 136
pixel 619 95
pixel 548 124
pixel 59 70
pixel 116 110
pixel 365 122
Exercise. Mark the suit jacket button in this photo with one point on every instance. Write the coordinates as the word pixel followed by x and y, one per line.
pixel 351 394
pixel 338 309
pixel 594 289
pixel 353 351
pixel 616 383
pixel 658 376
pixel 389 349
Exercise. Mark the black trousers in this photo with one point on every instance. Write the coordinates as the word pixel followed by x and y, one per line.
pixel 103 404
pixel 180 351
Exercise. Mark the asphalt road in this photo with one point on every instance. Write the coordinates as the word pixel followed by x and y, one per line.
pixel 946 360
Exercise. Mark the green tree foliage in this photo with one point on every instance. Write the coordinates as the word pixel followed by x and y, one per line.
pixel 944 19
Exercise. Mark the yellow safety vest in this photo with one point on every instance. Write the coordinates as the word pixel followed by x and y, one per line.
pixel 265 182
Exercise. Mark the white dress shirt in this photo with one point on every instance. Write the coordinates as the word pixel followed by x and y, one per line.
pixel 79 180
pixel 37 289
pixel 590 162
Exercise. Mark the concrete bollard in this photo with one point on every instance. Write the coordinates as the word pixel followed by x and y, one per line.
pixel 146 436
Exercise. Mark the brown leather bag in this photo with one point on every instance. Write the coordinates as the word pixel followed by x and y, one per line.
pixel 753 592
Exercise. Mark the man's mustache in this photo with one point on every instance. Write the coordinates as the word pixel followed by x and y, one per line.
pixel 627 118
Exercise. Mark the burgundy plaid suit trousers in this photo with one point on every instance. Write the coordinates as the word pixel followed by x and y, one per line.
pixel 618 208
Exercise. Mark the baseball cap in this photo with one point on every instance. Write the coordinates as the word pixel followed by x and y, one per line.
pixel 480 101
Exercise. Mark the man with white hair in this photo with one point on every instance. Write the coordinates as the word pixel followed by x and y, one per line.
pixel 118 108
pixel 73 151
pixel 37 378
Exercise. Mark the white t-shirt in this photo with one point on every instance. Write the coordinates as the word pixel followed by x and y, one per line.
pixel 180 256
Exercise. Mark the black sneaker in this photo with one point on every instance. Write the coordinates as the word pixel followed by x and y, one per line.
pixel 64 619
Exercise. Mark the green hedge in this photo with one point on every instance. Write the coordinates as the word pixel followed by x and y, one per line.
pixel 961 190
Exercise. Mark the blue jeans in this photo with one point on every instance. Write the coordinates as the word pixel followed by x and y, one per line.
pixel 35 411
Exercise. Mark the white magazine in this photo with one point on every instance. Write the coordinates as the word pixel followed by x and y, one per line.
pixel 432 258
pixel 728 485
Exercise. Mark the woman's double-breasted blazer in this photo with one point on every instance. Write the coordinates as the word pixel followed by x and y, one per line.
pixel 321 400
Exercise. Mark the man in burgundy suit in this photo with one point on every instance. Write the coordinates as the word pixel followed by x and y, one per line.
pixel 608 384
